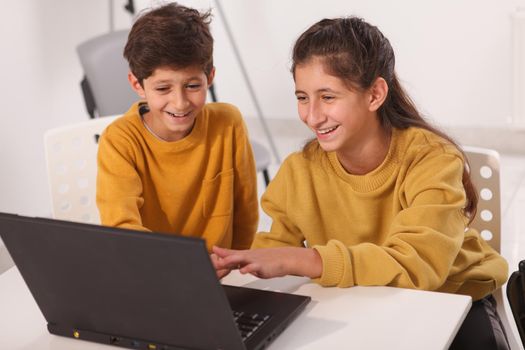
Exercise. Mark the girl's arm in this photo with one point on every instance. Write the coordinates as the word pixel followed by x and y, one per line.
pixel 271 262
pixel 419 249
pixel 282 250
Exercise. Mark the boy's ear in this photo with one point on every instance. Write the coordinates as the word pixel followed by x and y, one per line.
pixel 211 76
pixel 135 85
pixel 378 93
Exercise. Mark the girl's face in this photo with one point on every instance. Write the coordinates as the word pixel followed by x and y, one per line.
pixel 343 120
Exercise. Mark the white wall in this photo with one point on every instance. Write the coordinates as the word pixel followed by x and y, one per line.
pixel 453 56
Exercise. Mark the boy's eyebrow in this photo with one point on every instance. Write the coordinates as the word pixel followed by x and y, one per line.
pixel 164 81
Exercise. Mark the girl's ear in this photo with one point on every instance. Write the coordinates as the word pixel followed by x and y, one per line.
pixel 135 85
pixel 378 93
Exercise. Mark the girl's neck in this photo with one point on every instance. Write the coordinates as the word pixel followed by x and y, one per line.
pixel 367 156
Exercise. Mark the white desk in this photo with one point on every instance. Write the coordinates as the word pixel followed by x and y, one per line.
pixel 357 318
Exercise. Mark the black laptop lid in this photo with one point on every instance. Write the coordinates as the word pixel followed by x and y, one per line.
pixel 86 277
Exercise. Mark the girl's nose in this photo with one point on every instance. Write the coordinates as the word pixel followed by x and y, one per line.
pixel 315 116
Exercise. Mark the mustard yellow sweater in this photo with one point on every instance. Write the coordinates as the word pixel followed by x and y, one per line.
pixel 203 185
pixel 400 225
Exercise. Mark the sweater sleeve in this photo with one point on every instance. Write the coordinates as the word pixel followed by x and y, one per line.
pixel 284 232
pixel 246 209
pixel 119 187
pixel 424 237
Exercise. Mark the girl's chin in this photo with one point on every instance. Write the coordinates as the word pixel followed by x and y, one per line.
pixel 327 146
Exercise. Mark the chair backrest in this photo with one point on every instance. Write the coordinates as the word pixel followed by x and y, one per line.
pixel 71 157
pixel 485 173
pixel 106 71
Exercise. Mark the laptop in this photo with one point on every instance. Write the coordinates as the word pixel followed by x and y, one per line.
pixel 139 290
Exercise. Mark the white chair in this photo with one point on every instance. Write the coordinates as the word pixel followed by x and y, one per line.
pixel 71 157
pixel 485 173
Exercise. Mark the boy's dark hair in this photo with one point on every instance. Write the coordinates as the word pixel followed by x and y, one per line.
pixel 171 35
pixel 358 53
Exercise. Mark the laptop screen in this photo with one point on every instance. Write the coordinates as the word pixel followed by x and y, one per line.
pixel 131 288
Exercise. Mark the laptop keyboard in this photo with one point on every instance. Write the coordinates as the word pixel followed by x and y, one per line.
pixel 249 323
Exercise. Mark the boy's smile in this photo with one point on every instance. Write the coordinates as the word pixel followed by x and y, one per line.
pixel 175 97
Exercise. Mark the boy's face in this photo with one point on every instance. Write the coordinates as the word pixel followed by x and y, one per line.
pixel 175 97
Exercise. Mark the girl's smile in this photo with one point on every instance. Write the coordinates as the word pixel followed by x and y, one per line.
pixel 343 120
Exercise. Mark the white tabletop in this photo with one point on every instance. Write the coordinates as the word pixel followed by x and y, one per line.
pixel 336 318
pixel 366 317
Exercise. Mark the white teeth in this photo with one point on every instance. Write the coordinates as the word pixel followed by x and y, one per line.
pixel 177 115
pixel 326 131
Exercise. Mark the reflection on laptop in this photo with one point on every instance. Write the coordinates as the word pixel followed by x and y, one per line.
pixel 139 290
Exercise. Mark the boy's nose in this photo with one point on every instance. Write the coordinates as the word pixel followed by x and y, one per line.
pixel 180 102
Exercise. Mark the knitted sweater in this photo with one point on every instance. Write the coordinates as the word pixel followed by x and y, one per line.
pixel 399 225
pixel 203 185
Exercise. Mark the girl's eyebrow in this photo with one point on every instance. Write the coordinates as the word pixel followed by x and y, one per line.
pixel 327 89
pixel 318 90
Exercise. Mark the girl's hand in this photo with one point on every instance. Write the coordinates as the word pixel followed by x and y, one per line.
pixel 221 272
pixel 271 262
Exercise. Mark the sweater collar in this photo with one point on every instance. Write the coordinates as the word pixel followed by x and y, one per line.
pixel 194 138
pixel 378 177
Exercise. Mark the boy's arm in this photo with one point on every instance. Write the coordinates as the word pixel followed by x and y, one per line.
pixel 283 232
pixel 119 187
pixel 246 210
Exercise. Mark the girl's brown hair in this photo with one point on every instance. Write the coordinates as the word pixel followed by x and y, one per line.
pixel 358 53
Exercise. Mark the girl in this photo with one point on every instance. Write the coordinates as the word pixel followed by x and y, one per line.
pixel 379 197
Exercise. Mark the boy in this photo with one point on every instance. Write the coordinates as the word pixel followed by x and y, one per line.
pixel 173 163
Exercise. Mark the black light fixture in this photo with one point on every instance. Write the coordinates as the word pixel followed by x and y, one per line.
pixel 130 7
